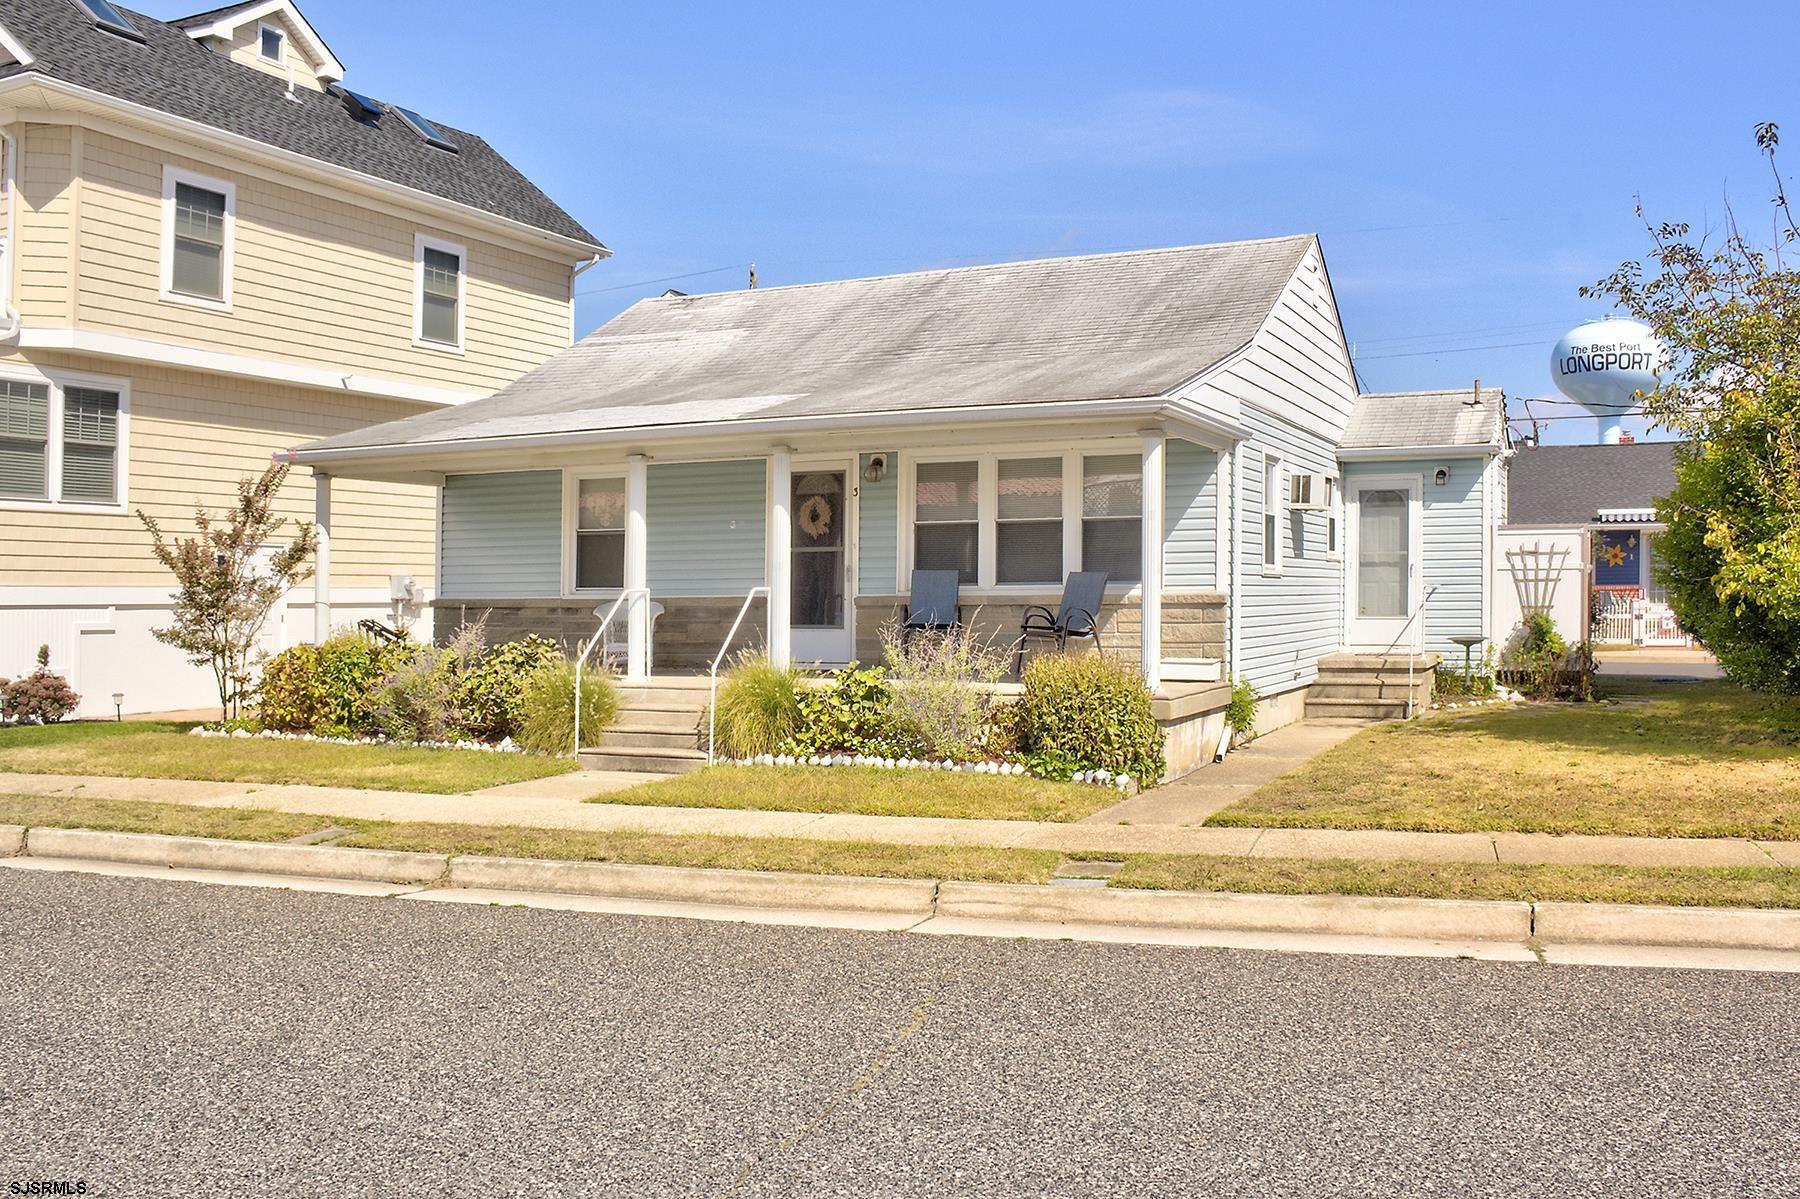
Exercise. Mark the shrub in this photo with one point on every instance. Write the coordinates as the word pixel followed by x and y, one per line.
pixel 758 710
pixel 1536 656
pixel 936 697
pixel 416 699
pixel 490 703
pixel 1089 712
pixel 41 697
pixel 347 667
pixel 1240 713
pixel 548 706
pixel 291 695
pixel 852 714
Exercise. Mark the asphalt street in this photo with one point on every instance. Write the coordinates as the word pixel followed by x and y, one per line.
pixel 169 1038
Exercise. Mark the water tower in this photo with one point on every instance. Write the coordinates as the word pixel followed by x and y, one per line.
pixel 1604 365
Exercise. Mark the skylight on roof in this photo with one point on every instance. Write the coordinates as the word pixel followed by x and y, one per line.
pixel 109 18
pixel 432 135
pixel 363 108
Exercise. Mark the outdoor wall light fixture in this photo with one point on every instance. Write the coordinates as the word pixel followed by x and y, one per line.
pixel 118 706
pixel 1441 476
pixel 876 470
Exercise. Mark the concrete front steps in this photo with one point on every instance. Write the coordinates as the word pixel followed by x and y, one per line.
pixel 659 729
pixel 1370 686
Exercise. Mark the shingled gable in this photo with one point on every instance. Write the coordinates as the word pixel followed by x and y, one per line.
pixel 1096 329
pixel 171 72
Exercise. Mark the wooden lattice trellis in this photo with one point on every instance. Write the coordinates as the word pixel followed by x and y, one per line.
pixel 1536 570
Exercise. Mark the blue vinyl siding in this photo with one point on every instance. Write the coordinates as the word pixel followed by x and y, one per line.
pixel 878 550
pixel 500 536
pixel 1190 517
pixel 1451 535
pixel 707 526
pixel 1290 620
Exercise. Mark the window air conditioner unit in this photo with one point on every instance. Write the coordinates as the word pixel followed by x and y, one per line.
pixel 1306 493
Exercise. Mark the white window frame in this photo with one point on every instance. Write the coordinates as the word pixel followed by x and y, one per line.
pixel 1274 512
pixel 173 175
pixel 571 526
pixel 56 380
pixel 1334 518
pixel 263 29
pixel 421 243
pixel 987 523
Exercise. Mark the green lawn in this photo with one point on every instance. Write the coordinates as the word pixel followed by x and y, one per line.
pixel 871 792
pixel 146 749
pixel 1766 888
pixel 1659 760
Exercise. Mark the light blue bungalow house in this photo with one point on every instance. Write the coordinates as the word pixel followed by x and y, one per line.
pixel 1176 418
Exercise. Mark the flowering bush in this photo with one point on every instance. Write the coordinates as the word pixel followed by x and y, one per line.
pixel 936 688
pixel 416 700
pixel 41 697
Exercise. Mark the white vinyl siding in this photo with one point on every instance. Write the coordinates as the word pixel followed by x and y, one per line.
pixel 500 535
pixel 707 527
pixel 1451 537
pixel 1190 517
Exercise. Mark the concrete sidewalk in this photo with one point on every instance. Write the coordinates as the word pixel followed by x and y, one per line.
pixel 557 803
pixel 1191 800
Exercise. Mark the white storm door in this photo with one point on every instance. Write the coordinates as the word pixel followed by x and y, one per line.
pixel 1384 564
pixel 823 510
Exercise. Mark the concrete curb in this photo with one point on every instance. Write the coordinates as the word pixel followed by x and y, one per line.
pixel 12 840
pixel 737 888
pixel 1421 919
pixel 1627 924
pixel 197 853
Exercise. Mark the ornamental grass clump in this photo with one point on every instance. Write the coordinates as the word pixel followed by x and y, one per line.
pixel 1087 712
pixel 758 707
pixel 939 688
pixel 548 708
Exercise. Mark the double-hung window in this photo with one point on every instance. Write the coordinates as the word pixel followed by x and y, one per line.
pixel 947 518
pixel 441 274
pixel 269 40
pixel 198 227
pixel 1274 503
pixel 599 534
pixel 1028 534
pixel 1026 521
pixel 61 443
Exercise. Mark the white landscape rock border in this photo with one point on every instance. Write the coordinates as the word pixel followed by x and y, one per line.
pixel 1095 778
pixel 504 746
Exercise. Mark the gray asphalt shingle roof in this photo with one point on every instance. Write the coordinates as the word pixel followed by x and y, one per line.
pixel 1571 484
pixel 1397 419
pixel 1093 328
pixel 172 73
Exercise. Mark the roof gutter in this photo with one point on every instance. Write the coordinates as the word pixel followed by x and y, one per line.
pixel 293 159
pixel 903 419
pixel 1388 453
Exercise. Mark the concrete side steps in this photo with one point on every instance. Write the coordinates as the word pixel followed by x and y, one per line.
pixel 634 739
pixel 658 720
pixel 1337 687
pixel 1355 709
pixel 644 759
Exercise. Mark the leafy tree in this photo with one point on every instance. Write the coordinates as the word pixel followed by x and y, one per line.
pixel 1727 305
pixel 229 578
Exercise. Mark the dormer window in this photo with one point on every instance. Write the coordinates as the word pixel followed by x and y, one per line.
pixel 270 42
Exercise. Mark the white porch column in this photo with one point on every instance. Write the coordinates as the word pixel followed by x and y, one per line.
pixel 322 557
pixel 781 558
pixel 1152 570
pixel 637 571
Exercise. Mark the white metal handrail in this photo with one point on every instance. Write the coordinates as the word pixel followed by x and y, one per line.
pixel 1410 656
pixel 587 649
pixel 712 684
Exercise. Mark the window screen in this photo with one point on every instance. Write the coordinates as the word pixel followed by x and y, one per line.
pixel 198 268
pixel 441 295
pixel 90 445
pixel 1028 539
pixel 600 534
pixel 1112 516
pixel 24 440
pixel 946 532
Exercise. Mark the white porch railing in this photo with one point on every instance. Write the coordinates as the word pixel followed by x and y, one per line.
pixel 1639 622
pixel 599 633
pixel 712 682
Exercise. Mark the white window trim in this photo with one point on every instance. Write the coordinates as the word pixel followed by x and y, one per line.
pixel 1272 464
pixel 56 380
pixel 1334 518
pixel 263 27
pixel 173 175
pixel 571 518
pixel 421 243
pixel 988 509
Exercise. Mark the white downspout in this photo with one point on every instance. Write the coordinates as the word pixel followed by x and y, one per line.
pixel 9 315
pixel 1234 594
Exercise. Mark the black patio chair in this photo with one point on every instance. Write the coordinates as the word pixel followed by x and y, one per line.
pixel 932 606
pixel 1077 616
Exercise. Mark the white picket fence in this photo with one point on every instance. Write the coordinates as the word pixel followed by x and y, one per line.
pixel 1639 622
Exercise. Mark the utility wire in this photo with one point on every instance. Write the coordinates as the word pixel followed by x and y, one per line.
pixel 594 291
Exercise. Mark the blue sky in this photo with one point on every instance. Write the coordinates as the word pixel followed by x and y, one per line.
pixel 1468 167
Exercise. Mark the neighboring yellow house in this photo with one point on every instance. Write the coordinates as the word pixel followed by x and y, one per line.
pixel 210 250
